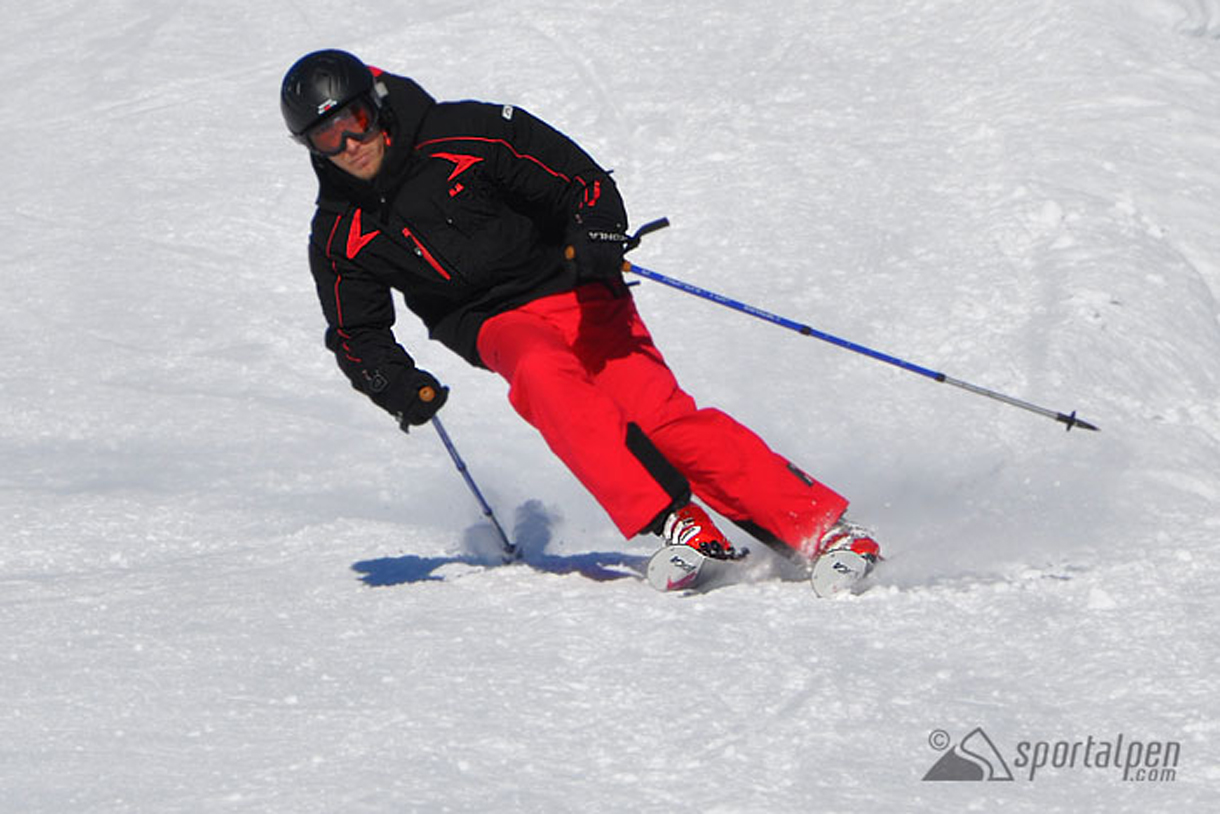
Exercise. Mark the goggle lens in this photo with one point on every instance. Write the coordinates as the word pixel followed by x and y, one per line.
pixel 355 120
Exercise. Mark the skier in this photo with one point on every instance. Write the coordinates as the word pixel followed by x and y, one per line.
pixel 507 241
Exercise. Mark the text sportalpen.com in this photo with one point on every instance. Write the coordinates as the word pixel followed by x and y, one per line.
pixel 1138 761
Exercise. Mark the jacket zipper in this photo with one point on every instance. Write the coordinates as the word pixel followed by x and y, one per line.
pixel 422 252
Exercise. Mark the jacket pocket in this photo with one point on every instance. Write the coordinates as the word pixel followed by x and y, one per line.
pixel 423 253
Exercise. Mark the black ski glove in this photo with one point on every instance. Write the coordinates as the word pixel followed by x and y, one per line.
pixel 424 398
pixel 595 253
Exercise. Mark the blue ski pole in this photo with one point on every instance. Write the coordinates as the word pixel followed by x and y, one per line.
pixel 1070 419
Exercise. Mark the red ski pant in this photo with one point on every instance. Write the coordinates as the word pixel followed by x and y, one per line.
pixel 582 369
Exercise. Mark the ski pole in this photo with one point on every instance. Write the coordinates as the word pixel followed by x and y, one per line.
pixel 510 551
pixel 1070 419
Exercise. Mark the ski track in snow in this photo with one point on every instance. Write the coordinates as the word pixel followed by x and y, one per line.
pixel 227 583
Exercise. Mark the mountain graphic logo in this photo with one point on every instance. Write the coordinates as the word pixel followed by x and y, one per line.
pixel 974 759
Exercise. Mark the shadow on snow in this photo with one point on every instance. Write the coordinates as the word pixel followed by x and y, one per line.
pixel 481 549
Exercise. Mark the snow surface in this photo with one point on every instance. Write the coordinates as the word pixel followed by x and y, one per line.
pixel 228 583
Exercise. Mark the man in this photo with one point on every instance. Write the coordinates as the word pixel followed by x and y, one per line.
pixel 507 240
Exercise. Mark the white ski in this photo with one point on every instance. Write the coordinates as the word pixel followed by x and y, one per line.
pixel 676 568
pixel 683 569
pixel 838 572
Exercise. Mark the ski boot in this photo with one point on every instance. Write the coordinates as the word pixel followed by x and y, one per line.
pixel 691 526
pixel 695 553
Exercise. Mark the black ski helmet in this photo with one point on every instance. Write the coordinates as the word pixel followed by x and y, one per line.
pixel 319 84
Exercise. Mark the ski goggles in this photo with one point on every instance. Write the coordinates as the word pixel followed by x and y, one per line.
pixel 355 120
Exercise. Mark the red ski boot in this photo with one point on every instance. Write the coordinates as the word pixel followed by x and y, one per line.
pixel 691 526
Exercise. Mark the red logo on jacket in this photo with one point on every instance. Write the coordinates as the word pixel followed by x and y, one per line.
pixel 356 240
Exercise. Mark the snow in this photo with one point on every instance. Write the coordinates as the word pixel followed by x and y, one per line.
pixel 228 583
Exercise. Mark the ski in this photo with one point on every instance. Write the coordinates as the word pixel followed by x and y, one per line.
pixel 682 569
pixel 838 572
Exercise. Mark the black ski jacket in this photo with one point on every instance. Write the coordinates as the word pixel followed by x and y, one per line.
pixel 466 218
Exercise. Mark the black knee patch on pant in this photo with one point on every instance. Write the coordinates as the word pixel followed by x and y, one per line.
pixel 663 472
